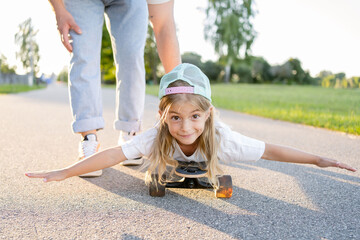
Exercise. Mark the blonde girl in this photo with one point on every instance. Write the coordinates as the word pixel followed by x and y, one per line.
pixel 187 131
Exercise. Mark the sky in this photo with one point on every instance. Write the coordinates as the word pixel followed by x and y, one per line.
pixel 322 34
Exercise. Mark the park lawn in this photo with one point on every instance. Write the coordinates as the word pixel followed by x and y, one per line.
pixel 335 109
pixel 16 88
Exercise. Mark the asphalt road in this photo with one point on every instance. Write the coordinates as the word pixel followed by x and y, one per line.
pixel 271 200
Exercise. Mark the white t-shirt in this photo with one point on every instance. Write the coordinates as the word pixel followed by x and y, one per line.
pixel 233 146
pixel 157 1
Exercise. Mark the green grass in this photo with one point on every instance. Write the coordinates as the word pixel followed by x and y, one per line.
pixel 335 109
pixel 16 88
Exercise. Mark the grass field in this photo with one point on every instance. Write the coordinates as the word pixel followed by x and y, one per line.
pixel 335 109
pixel 16 88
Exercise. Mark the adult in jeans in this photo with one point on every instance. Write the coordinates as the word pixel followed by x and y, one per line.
pixel 80 25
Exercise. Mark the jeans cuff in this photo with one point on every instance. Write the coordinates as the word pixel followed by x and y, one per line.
pixel 127 126
pixel 84 125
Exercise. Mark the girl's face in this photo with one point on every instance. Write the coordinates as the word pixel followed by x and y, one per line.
pixel 186 122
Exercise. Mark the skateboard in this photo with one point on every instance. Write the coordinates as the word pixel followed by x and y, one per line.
pixel 190 175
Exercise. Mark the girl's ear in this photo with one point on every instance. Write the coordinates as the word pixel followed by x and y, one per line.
pixel 160 113
pixel 209 111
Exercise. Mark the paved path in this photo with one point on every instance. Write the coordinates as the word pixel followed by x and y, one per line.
pixel 271 200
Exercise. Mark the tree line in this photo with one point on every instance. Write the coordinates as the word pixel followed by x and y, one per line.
pixel 257 70
pixel 228 27
pixel 250 69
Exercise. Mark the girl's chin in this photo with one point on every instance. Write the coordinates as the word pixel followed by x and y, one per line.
pixel 186 141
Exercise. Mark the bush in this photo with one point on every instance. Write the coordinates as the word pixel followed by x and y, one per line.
pixel 212 70
pixel 63 76
pixel 243 73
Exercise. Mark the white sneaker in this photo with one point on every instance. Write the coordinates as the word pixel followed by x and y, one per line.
pixel 88 147
pixel 124 137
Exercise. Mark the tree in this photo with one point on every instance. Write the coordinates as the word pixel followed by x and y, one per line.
pixel 63 75
pixel 4 66
pixel 212 70
pixel 328 81
pixel 29 49
pixel 243 71
pixel 281 73
pixel 151 56
pixel 229 28
pixel 193 58
pixel 260 70
pixel 107 66
pixel 324 73
pixel 108 69
pixel 354 82
pixel 209 68
pixel 291 72
pixel 340 75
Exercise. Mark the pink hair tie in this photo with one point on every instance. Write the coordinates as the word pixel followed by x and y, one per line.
pixel 175 90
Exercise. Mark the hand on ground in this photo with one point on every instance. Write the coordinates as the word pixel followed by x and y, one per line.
pixel 48 176
pixel 324 162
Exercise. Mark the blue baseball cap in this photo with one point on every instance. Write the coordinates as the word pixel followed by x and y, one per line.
pixel 199 82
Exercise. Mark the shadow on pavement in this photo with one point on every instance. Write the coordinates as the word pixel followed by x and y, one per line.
pixel 336 195
pixel 248 214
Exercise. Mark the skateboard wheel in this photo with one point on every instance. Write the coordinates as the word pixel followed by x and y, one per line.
pixel 155 188
pixel 225 188
pixel 191 183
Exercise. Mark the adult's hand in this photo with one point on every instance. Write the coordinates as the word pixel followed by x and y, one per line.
pixel 65 23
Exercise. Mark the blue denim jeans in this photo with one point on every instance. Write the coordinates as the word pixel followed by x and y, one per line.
pixel 126 21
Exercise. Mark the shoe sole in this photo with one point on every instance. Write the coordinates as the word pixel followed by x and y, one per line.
pixel 132 162
pixel 92 174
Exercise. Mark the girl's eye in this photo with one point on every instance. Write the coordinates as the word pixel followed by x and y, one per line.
pixel 176 118
pixel 196 116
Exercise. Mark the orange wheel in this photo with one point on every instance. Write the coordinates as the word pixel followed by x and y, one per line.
pixel 155 188
pixel 225 188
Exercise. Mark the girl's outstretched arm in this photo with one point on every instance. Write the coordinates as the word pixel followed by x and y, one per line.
pixel 286 154
pixel 103 159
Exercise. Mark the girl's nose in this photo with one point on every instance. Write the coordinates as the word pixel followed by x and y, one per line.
pixel 185 124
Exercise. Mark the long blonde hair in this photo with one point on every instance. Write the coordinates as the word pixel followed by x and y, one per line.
pixel 163 148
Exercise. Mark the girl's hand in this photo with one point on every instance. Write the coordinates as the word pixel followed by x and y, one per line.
pixel 325 162
pixel 48 176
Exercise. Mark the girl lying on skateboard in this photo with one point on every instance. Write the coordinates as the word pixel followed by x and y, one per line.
pixel 187 131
